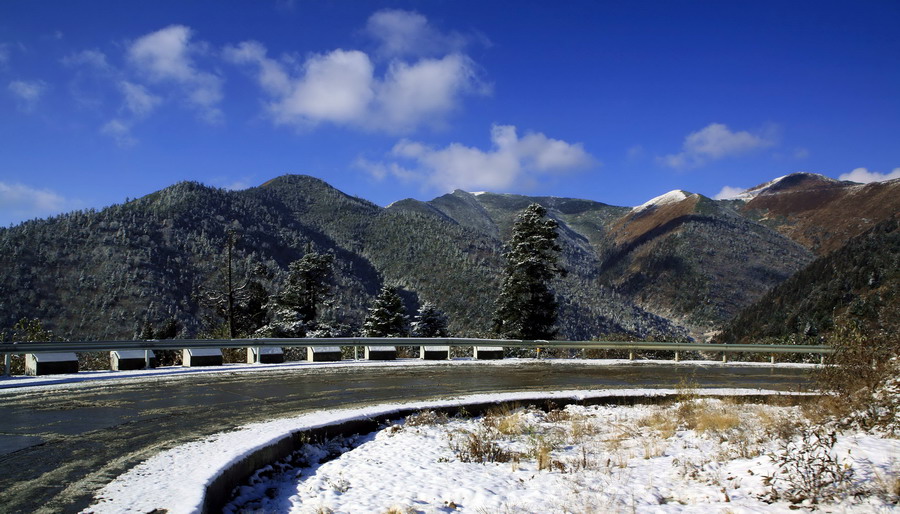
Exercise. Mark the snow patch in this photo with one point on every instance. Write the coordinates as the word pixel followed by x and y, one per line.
pixel 671 197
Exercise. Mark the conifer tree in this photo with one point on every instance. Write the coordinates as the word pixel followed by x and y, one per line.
pixel 526 307
pixel 308 286
pixel 386 317
pixel 430 322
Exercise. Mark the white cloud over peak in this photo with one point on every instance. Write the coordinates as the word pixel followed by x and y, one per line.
pixel 511 161
pixel 404 33
pixel 166 56
pixel 19 202
pixel 728 193
pixel 713 142
pixel 864 176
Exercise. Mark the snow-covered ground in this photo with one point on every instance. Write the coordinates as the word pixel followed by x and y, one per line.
pixel 706 455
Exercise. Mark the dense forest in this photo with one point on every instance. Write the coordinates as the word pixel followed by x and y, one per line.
pixel 858 283
pixel 666 271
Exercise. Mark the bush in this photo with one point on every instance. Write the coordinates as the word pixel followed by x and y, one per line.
pixel 479 446
pixel 807 468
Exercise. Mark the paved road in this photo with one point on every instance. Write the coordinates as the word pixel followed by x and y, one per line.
pixel 57 447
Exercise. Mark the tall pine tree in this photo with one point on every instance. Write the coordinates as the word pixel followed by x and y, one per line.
pixel 387 316
pixel 308 286
pixel 526 307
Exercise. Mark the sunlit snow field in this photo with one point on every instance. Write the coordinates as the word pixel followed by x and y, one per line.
pixel 698 455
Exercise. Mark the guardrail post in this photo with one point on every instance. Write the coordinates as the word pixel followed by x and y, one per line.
pixel 822 359
pixel 724 357
pixel 146 359
pixel 677 356
pixel 631 355
pixel 772 359
pixel 7 365
pixel 356 353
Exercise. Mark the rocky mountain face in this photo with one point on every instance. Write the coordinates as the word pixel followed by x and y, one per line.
pixel 679 266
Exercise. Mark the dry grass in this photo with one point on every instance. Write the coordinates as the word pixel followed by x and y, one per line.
pixel 661 422
pixel 397 509
pixel 513 424
pixel 580 428
pixel 714 420
pixel 653 448
pixel 426 418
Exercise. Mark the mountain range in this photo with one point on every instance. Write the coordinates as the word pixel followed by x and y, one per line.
pixel 680 266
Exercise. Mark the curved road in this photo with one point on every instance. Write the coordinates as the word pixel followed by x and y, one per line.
pixel 57 447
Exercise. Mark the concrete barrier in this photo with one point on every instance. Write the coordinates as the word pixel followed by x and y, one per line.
pixel 191 357
pixel 381 353
pixel 434 353
pixel 267 355
pixel 323 353
pixel 50 363
pixel 488 352
pixel 122 360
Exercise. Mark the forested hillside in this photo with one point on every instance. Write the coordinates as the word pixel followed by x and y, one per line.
pixel 679 266
pixel 859 282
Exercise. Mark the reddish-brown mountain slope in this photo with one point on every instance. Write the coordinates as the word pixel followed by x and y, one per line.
pixel 820 213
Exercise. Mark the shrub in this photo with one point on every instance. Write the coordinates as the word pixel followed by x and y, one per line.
pixel 479 446
pixel 807 468
pixel 426 417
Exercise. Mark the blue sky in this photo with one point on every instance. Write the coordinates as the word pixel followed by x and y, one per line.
pixel 612 101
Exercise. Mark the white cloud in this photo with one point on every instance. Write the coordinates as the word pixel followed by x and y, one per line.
pixel 165 56
pixel 512 161
pixel 729 193
pixel 120 131
pixel 19 202
pixel 413 93
pixel 341 87
pixel 91 58
pixel 231 183
pixel 335 87
pixel 864 176
pixel 28 92
pixel 138 100
pixel 422 82
pixel 713 142
pixel 403 33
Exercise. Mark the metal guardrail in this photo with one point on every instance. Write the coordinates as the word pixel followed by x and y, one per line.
pixel 177 344
pixel 17 348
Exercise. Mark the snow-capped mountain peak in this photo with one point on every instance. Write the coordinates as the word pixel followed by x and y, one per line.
pixel 666 199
